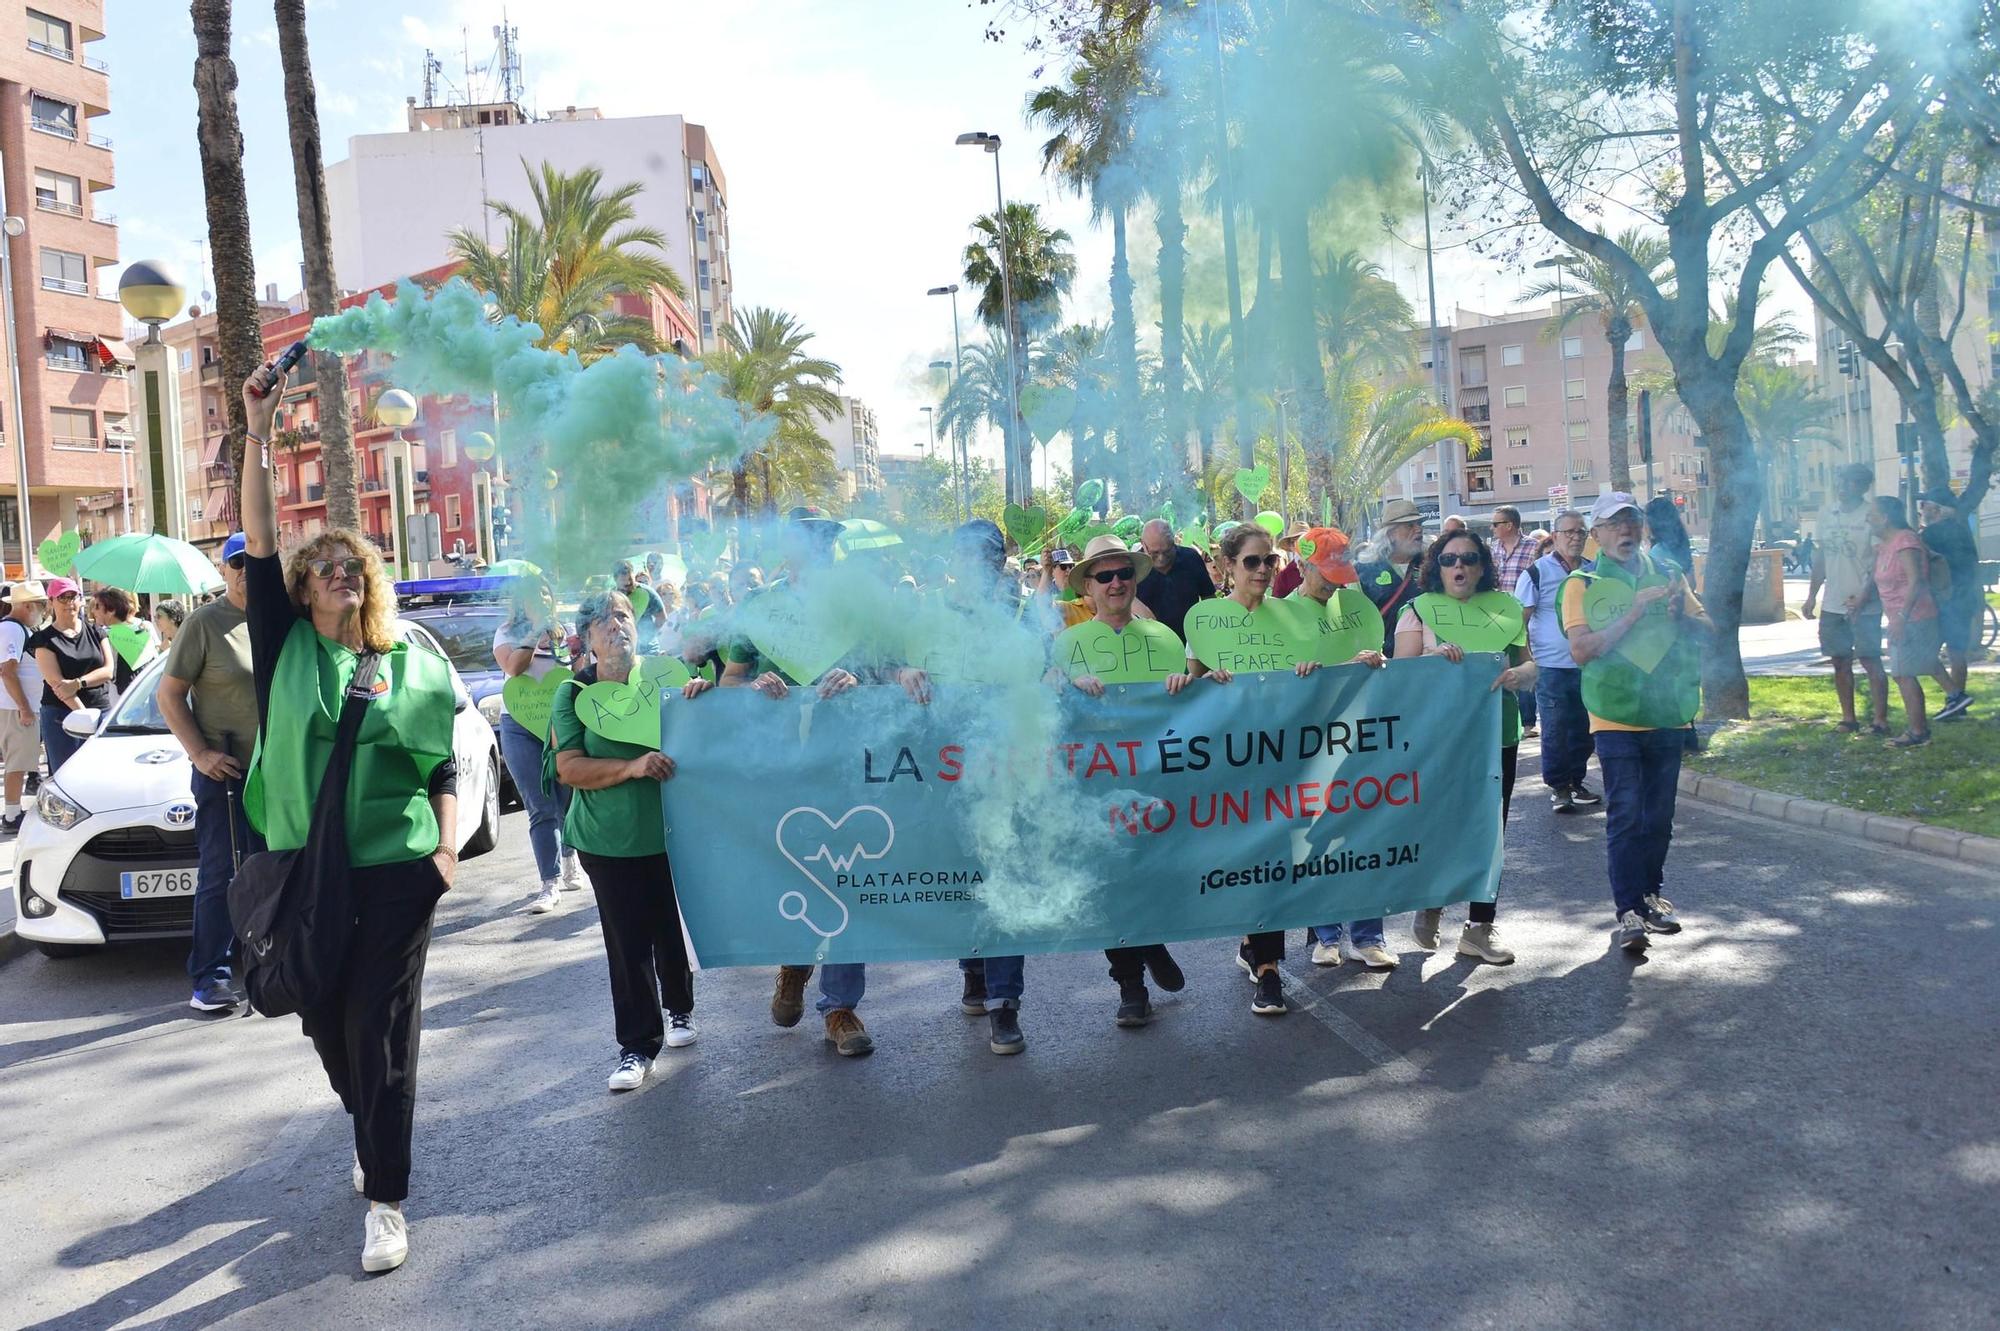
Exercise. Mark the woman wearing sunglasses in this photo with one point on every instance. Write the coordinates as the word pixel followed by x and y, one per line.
pixel 312 619
pixel 77 664
pixel 1443 620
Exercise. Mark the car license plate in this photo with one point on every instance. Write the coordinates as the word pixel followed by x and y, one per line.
pixel 145 884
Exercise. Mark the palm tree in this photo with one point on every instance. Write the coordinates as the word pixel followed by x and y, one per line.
pixel 1608 291
pixel 1211 382
pixel 343 501
pixel 978 395
pixel 1782 407
pixel 1076 360
pixel 561 268
pixel 1090 112
pixel 220 138
pixel 1363 318
pixel 1377 430
pixel 764 367
pixel 1041 269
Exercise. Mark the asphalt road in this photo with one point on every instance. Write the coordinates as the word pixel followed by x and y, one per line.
pixel 1784 1117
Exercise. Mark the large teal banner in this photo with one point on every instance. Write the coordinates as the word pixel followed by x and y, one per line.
pixel 991 821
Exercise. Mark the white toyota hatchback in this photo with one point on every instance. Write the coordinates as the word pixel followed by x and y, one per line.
pixel 108 853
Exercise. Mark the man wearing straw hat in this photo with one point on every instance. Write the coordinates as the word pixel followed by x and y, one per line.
pixel 20 695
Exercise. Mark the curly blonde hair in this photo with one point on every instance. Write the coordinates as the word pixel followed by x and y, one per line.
pixel 378 594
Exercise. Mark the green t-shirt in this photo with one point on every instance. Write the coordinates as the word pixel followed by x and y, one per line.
pixel 211 655
pixel 623 820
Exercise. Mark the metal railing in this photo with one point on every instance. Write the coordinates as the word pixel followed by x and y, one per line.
pixel 59 206
pixel 58 361
pixel 91 62
pixel 59 52
pixel 64 284
pixel 58 128
pixel 100 140
pixel 75 442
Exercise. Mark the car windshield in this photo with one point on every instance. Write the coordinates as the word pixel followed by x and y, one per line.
pixel 466 635
pixel 138 712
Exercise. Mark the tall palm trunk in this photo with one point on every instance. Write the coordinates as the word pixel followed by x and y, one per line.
pixel 1300 340
pixel 220 138
pixel 1617 331
pixel 1016 444
pixel 343 502
pixel 1173 295
pixel 1132 467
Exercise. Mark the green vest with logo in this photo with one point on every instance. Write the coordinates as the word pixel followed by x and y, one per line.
pixel 1616 688
pixel 405 734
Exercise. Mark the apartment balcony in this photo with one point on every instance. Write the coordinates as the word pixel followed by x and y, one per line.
pixel 100 141
pixel 370 485
pixel 211 372
pixel 61 129
pixel 1478 414
pixel 63 206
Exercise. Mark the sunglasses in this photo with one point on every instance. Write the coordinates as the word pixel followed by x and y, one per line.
pixel 1064 564
pixel 1107 576
pixel 349 567
pixel 1255 562
pixel 68 596
pixel 1471 559
pixel 237 561
pixel 1570 531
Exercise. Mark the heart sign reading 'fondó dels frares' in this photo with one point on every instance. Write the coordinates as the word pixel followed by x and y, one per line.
pixel 1225 636
pixel 1252 482
pixel 529 701
pixel 59 556
pixel 630 712
pixel 1646 644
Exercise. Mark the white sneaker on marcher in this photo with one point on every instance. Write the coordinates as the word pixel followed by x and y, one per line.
pixel 572 874
pixel 548 898
pixel 1374 956
pixel 1426 926
pixel 1326 954
pixel 630 1074
pixel 680 1030
pixel 1483 942
pixel 386 1240
pixel 360 1177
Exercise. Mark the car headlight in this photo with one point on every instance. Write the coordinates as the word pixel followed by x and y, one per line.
pixel 57 809
pixel 489 707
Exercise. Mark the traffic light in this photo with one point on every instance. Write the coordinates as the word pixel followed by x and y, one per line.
pixel 1906 437
pixel 1680 501
pixel 1850 360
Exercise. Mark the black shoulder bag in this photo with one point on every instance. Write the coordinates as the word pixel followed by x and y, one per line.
pixel 294 909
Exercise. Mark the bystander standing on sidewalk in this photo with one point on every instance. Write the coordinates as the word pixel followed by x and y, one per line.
pixel 1949 540
pixel 1902 579
pixel 20 695
pixel 1566 744
pixel 1850 625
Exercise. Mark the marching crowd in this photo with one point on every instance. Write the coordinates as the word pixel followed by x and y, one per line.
pixel 311 723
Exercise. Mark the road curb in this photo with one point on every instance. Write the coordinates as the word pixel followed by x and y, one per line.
pixel 12 944
pixel 1942 842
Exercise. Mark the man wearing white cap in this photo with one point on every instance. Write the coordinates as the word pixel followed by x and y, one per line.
pixel 1631 625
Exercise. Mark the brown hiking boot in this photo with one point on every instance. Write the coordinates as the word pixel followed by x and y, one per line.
pixel 846 1032
pixel 788 1002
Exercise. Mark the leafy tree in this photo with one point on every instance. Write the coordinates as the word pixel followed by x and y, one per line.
pixel 1375 431
pixel 1211 385
pixel 765 366
pixel 1782 408
pixel 1075 363
pixel 1042 269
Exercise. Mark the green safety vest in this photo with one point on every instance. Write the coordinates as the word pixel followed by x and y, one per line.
pixel 405 734
pixel 1615 689
pixel 1424 608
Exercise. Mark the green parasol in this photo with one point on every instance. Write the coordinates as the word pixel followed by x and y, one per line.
pixel 147 562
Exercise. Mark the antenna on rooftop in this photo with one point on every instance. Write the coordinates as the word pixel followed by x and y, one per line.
pixel 432 68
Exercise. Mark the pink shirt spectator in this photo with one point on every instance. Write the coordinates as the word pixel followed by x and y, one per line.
pixel 1903 598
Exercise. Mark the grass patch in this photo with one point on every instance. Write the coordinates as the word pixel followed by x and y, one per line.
pixel 1790 746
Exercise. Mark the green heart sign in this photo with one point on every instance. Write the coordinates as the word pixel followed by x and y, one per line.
pixel 529 701
pixel 804 639
pixel 1146 650
pixel 630 712
pixel 708 545
pixel 640 599
pixel 1485 622
pixel 1072 523
pixel 1048 409
pixel 1345 626
pixel 1252 482
pixel 1025 525
pixel 59 556
pixel 1648 641
pixel 1225 636
pixel 1195 537
pixel 129 641
pixel 1127 528
pixel 1089 493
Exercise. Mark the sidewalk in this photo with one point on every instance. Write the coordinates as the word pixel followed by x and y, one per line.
pixel 1791 646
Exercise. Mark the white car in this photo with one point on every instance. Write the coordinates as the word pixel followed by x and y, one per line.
pixel 108 852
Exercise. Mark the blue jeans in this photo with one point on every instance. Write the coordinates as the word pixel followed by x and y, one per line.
pixel 841 985
pixel 1566 742
pixel 1003 978
pixel 212 953
pixel 57 743
pixel 523 753
pixel 1526 699
pixel 1641 769
pixel 1364 933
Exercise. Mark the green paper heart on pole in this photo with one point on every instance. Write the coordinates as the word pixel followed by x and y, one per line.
pixel 1252 482
pixel 129 641
pixel 1346 625
pixel 1048 409
pixel 1195 537
pixel 804 639
pixel 640 599
pixel 1025 525
pixel 529 701
pixel 1646 644
pixel 1089 493
pixel 58 556
pixel 1271 523
pixel 1127 528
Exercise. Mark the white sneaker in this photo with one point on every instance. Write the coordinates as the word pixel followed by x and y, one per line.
pixel 360 1177
pixel 680 1030
pixel 572 874
pixel 387 1238
pixel 1375 957
pixel 1483 941
pixel 630 1074
pixel 548 898
pixel 1426 926
pixel 1326 954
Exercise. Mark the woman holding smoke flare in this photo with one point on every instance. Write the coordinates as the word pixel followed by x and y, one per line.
pixel 1249 560
pixel 534 642
pixel 1456 570
pixel 617 825
pixel 319 619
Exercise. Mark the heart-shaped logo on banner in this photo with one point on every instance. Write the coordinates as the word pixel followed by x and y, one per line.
pixel 807 837
pixel 530 701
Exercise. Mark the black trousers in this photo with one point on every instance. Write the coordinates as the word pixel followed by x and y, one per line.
pixel 643 944
pixel 1128 964
pixel 366 1034
pixel 1267 947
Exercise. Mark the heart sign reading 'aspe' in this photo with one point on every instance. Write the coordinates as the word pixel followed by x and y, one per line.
pixel 630 712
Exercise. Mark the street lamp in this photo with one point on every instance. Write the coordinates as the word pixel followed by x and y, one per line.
pixel 152 297
pixel 930 428
pixel 13 227
pixel 395 408
pixel 1563 263
pixel 990 144
pixel 957 367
